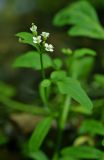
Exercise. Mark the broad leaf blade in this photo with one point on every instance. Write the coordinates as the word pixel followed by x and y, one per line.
pixel 73 88
pixel 39 134
pixel 82 152
pixel 32 60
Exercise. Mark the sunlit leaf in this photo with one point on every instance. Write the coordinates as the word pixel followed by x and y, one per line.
pixel 57 63
pixel 83 152
pixel 39 134
pixel 32 60
pixel 25 37
pixel 39 155
pixel 58 75
pixel 73 88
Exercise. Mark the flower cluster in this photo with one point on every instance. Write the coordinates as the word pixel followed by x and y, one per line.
pixel 41 39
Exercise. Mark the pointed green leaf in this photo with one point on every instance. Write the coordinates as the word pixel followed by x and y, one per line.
pixel 32 60
pixel 39 134
pixel 73 88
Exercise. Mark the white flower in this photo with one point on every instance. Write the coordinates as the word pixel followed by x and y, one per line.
pixel 45 34
pixel 33 28
pixel 37 39
pixel 48 47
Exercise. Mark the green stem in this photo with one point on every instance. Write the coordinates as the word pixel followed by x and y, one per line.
pixel 43 76
pixel 65 112
pixel 42 68
pixel 61 125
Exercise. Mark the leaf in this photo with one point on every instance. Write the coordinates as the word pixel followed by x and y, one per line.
pixel 25 37
pixel 82 152
pixel 39 155
pixel 83 18
pixel 58 75
pixel 67 51
pixel 84 51
pixel 92 127
pixel 39 134
pixel 73 88
pixel 46 83
pixel 32 60
pixel 57 63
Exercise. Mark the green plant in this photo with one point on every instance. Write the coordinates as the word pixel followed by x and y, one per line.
pixel 61 94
